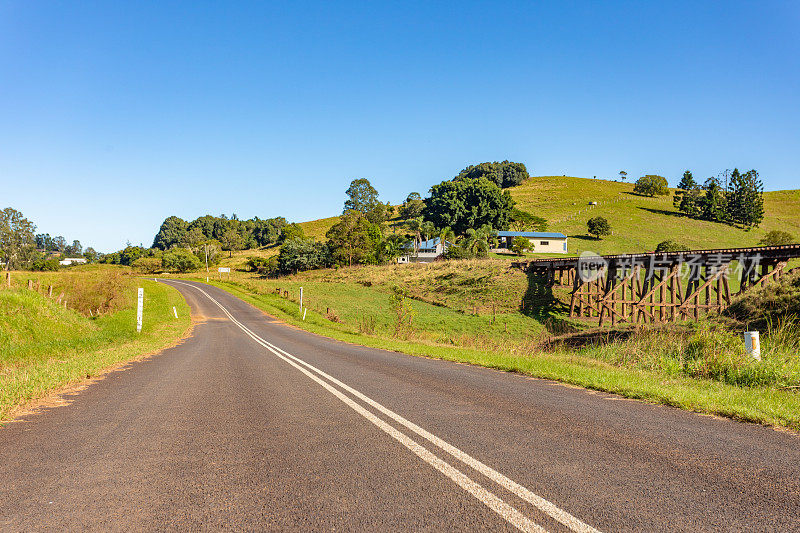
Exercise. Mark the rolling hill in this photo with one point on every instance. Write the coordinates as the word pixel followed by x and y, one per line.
pixel 638 223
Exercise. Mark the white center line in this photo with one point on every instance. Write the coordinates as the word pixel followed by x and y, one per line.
pixel 496 504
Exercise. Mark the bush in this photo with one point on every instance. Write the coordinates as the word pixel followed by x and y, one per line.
pixel 180 260
pixel 652 185
pixel 520 245
pixel 300 254
pixel 457 251
pixel 777 237
pixel 671 246
pixel 265 266
pixel 769 304
pixel 148 265
pixel 45 264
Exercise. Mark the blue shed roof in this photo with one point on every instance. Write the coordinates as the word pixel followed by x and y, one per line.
pixel 531 234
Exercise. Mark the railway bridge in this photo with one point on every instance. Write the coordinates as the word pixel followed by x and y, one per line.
pixel 660 287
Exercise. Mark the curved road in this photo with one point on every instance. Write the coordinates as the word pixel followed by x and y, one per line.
pixel 251 424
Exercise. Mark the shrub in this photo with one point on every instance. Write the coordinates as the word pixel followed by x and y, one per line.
pixel 45 264
pixel 148 265
pixel 671 246
pixel 520 245
pixel 180 260
pixel 777 237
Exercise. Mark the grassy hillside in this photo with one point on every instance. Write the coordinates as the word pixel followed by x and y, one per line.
pixel 639 223
pixel 45 345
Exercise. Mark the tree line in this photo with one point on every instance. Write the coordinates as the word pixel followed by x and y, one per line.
pixel 740 203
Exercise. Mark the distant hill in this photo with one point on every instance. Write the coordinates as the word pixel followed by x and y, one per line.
pixel 639 223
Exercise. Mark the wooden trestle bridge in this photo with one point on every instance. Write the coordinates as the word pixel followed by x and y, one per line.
pixel 659 287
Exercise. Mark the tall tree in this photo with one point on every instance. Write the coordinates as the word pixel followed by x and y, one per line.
pixel 745 205
pixel 505 174
pixel 361 196
pixel 468 203
pixel 17 241
pixel 171 232
pixel 353 239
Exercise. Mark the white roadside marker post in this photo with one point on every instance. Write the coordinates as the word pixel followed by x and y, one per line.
pixel 304 314
pixel 301 297
pixel 139 308
pixel 175 311
pixel 752 345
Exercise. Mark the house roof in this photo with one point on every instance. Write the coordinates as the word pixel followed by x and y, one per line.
pixel 531 234
pixel 430 243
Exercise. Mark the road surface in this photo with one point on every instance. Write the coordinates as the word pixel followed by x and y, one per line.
pixel 251 424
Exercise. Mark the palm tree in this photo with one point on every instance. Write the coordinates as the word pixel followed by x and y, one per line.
pixel 446 234
pixel 414 225
pixel 428 229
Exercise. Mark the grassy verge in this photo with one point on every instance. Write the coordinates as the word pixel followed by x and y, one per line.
pixel 45 346
pixel 763 404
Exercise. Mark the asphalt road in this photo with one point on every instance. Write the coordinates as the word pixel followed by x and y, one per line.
pixel 254 425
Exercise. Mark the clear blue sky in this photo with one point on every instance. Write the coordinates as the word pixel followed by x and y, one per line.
pixel 115 115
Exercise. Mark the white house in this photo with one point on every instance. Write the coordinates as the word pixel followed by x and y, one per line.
pixel 72 261
pixel 428 251
pixel 543 242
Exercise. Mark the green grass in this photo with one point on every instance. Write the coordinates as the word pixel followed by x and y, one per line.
pixel 364 306
pixel 44 347
pixel 639 223
pixel 769 405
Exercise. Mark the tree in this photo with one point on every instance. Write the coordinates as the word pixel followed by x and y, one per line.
pixel 298 254
pixel 671 246
pixel 362 196
pixel 522 220
pixel 505 174
pixel 353 239
pixel 59 244
pixel 90 254
pixel 180 260
pixel 687 182
pixel 391 248
pixel 446 234
pixel 17 241
pixel 171 233
pixel 777 237
pixel 478 242
pixel 414 226
pixel 623 175
pixel 599 227
pixel 74 249
pixel 652 185
pixel 745 199
pixel 712 205
pixel 412 207
pixel 380 213
pixel 520 245
pixel 231 240
pixel 291 231
pixel 468 203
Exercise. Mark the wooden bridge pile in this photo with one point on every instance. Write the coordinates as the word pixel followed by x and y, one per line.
pixel 660 287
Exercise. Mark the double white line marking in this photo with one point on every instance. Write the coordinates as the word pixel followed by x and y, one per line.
pixel 499 506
